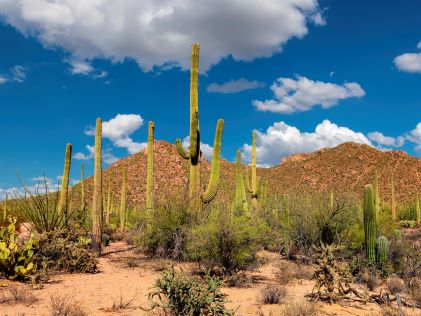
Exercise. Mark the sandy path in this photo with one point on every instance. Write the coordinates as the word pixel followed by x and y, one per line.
pixel 98 292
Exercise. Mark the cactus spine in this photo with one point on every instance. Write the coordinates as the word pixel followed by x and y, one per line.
pixel 240 191
pixel 150 171
pixel 377 196
pixel 382 249
pixel 108 208
pixel 417 209
pixel 97 207
pixel 393 202
pixel 194 154
pixel 82 189
pixel 286 224
pixel 63 202
pixel 370 223
pixel 123 201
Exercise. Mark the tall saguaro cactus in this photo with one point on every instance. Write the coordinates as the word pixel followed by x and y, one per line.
pixel 82 189
pixel 393 202
pixel 150 171
pixel 63 202
pixel 240 192
pixel 377 196
pixel 123 201
pixel 194 154
pixel 370 223
pixel 97 207
pixel 417 208
pixel 254 188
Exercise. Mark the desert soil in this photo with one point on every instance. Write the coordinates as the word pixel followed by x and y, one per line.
pixel 126 275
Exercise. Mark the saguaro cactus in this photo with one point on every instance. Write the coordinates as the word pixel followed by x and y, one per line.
pixel 82 189
pixel 63 201
pixel 194 154
pixel 393 202
pixel 286 223
pixel 417 209
pixel 123 201
pixel 97 206
pixel 370 223
pixel 254 180
pixel 382 249
pixel 240 192
pixel 108 207
pixel 150 171
pixel 377 196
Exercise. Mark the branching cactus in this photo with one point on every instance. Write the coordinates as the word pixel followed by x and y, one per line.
pixel 417 209
pixel 63 202
pixel 382 248
pixel 286 224
pixel 197 199
pixel 393 202
pixel 370 223
pixel 123 201
pixel 97 207
pixel 150 171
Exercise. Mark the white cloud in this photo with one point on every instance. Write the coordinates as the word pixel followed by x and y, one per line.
pixel 419 45
pixel 3 79
pixel 17 73
pixel 409 62
pixel 415 136
pixel 158 33
pixel 281 140
pixel 206 149
pixel 381 139
pixel 303 94
pixel 234 86
pixel 119 129
pixel 81 156
pixel 80 68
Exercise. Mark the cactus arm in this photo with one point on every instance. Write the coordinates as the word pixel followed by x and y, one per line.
pixel 181 149
pixel 97 207
pixel 150 168
pixel 370 223
pixel 212 188
pixel 63 202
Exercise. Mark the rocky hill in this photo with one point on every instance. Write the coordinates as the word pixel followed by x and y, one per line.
pixel 347 167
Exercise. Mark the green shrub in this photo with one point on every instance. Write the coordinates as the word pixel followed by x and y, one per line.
pixel 224 242
pixel 180 294
pixel 66 250
pixel 407 223
pixel 16 260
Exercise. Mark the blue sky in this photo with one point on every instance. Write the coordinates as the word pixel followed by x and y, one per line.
pixel 306 74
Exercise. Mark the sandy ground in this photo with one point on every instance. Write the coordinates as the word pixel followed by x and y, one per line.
pixel 97 293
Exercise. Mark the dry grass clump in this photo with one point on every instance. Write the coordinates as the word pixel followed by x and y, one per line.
pixel 272 294
pixel 285 272
pixel 395 285
pixel 66 305
pixel 300 308
pixel 18 294
pixel 416 291
pixel 239 279
pixel 122 303
pixel 370 279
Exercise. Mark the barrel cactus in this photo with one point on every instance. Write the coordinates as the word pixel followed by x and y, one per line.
pixel 382 248
pixel 370 224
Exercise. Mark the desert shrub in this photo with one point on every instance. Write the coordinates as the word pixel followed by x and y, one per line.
pixel 407 223
pixel 395 285
pixel 272 294
pixel 300 308
pixel 166 233
pixel 285 272
pixel 18 294
pixel 66 250
pixel 16 259
pixel 66 305
pixel 225 242
pixel 370 278
pixel 411 263
pixel 238 279
pixel 180 294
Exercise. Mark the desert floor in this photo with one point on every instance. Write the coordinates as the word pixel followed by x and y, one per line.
pixel 127 276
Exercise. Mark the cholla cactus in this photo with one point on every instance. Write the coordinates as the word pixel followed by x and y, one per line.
pixel 197 199
pixel 370 223
pixel 382 248
pixel 97 206
pixel 63 202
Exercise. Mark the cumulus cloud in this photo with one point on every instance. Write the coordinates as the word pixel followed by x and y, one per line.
pixel 281 140
pixel 383 140
pixel 234 86
pixel 409 62
pixel 119 129
pixel 415 136
pixel 107 155
pixel 84 68
pixel 206 149
pixel 302 94
pixel 157 33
